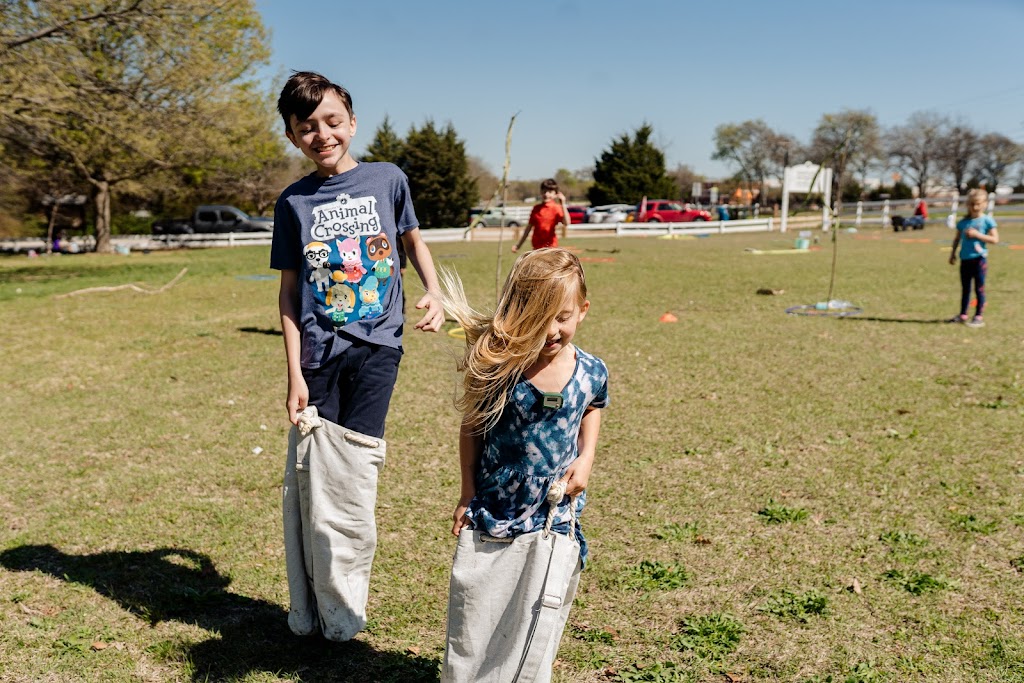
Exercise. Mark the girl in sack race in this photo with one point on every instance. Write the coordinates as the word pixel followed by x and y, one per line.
pixel 531 406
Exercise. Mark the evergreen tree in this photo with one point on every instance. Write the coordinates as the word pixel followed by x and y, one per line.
pixel 386 145
pixel 438 171
pixel 631 169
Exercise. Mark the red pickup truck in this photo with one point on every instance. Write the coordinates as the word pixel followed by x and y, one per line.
pixel 667 211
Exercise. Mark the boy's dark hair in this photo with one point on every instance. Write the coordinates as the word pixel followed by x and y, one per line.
pixel 304 92
pixel 549 184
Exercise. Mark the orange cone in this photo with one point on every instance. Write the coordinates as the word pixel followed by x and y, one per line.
pixel 668 318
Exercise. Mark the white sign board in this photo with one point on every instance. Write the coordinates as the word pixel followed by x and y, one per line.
pixel 803 179
pixel 799 178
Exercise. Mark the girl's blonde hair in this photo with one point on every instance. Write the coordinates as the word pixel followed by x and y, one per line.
pixel 976 193
pixel 501 346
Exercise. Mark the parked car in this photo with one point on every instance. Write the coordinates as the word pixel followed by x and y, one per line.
pixel 509 216
pixel 610 213
pixel 666 211
pixel 577 214
pixel 213 219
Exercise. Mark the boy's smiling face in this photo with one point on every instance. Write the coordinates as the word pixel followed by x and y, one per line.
pixel 326 135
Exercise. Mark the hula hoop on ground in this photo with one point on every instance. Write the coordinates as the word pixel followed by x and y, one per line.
pixel 813 311
pixel 457 333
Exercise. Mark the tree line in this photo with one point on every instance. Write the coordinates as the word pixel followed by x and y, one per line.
pixel 929 150
pixel 154 104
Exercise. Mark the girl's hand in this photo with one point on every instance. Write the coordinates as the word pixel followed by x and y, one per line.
pixel 459 519
pixel 972 233
pixel 577 476
pixel 952 259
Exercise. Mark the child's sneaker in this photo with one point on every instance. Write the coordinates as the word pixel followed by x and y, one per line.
pixel 976 321
pixel 962 318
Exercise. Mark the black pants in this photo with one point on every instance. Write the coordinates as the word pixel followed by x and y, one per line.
pixel 354 389
pixel 972 269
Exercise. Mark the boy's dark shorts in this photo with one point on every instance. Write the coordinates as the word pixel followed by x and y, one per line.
pixel 354 389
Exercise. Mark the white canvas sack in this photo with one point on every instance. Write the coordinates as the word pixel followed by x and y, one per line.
pixel 508 603
pixel 330 532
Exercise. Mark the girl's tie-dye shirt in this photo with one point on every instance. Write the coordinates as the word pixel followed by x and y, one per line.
pixel 530 448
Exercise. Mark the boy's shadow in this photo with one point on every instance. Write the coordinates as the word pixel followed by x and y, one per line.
pixel 183 585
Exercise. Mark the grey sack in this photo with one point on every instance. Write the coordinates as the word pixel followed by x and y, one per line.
pixel 330 532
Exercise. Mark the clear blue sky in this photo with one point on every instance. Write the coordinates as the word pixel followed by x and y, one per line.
pixel 583 72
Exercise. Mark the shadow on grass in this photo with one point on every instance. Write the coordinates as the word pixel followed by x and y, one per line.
pixel 182 585
pixel 270 331
pixel 874 319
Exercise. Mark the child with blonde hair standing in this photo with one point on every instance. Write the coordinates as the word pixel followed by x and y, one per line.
pixel 973 233
pixel 531 406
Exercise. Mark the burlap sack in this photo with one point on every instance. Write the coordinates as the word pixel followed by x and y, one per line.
pixel 330 532
pixel 507 607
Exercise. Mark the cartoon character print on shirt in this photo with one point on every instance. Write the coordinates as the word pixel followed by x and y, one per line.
pixel 378 248
pixel 318 257
pixel 370 297
pixel 340 301
pixel 349 260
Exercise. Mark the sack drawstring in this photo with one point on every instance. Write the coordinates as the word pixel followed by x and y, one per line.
pixel 555 494
pixel 309 419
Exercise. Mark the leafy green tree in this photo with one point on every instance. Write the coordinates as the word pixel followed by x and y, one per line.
pixel 120 90
pixel 632 168
pixel 435 161
pixel 386 145
pixel 265 167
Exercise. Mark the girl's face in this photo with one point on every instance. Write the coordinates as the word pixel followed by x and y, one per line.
pixel 976 207
pixel 562 327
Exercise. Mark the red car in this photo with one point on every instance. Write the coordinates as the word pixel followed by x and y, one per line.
pixel 666 211
pixel 577 214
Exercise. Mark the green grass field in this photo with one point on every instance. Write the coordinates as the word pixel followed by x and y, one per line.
pixel 776 497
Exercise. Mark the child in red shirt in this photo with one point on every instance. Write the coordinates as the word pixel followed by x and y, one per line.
pixel 545 218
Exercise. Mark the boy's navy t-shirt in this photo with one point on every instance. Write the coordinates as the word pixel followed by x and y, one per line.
pixel 341 233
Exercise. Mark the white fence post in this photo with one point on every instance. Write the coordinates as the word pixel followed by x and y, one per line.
pixel 991 202
pixel 951 218
pixel 886 223
pixel 860 213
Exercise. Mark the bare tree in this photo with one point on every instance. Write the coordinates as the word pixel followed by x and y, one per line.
pixel 755 149
pixel 996 154
pixel 845 140
pixel 958 152
pixel 916 147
